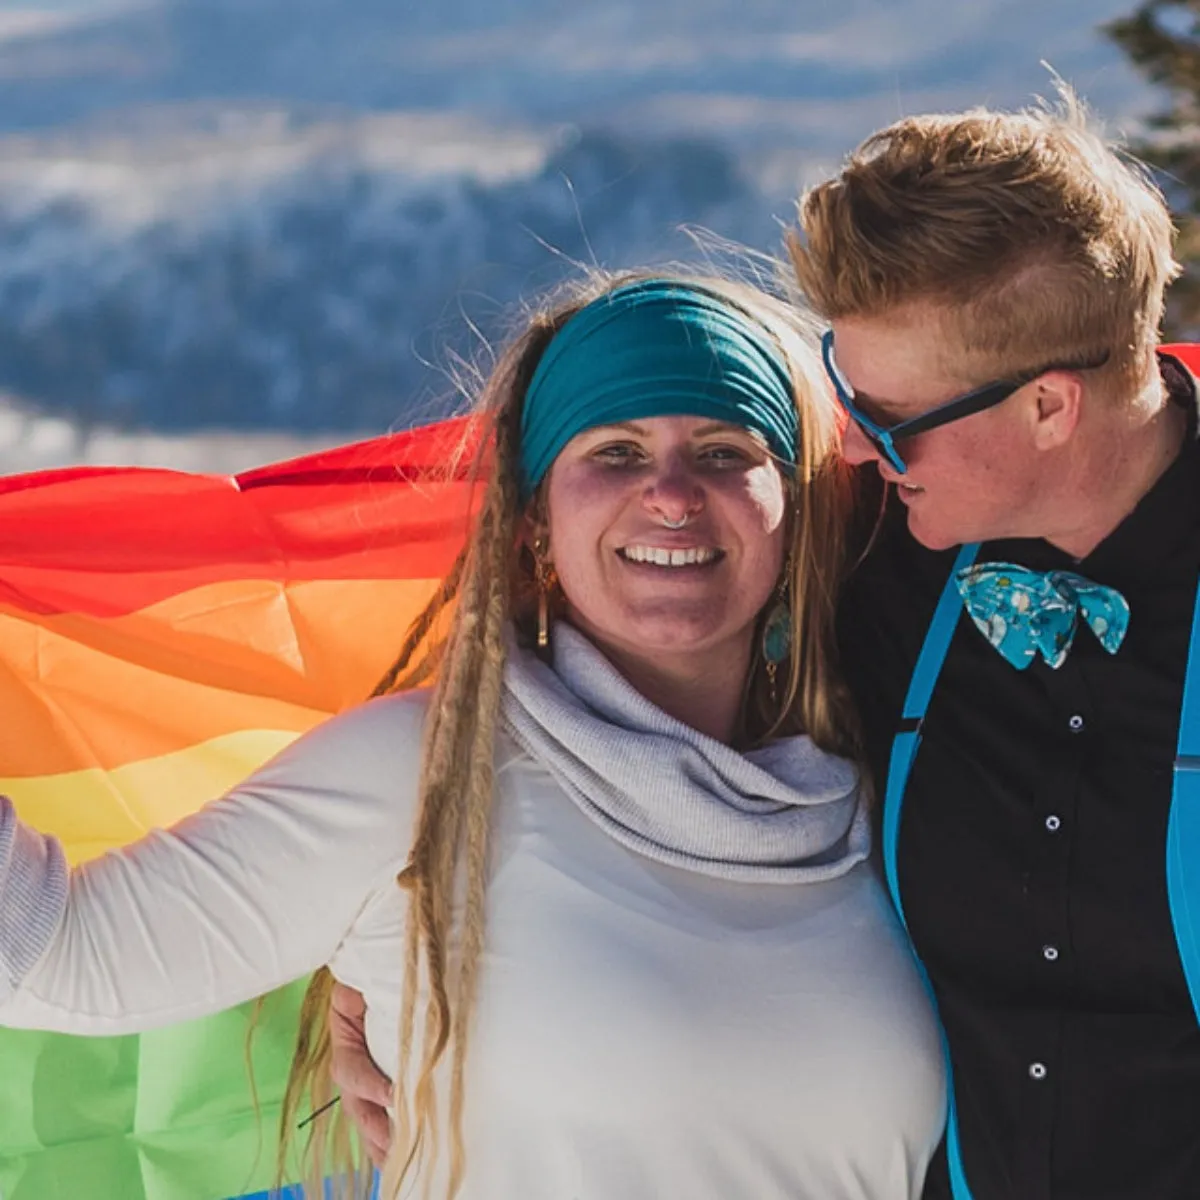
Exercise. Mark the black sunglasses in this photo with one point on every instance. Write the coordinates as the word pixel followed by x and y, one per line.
pixel 976 400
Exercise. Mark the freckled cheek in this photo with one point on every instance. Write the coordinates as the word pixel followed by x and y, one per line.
pixel 582 503
pixel 989 471
pixel 960 459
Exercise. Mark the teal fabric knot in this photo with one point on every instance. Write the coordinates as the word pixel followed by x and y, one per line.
pixel 1024 613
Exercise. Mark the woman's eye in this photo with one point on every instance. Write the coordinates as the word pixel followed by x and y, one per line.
pixel 724 455
pixel 619 453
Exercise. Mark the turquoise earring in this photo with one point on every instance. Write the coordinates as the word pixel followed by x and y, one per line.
pixel 777 638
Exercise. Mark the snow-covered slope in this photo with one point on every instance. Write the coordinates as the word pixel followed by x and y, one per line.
pixel 312 286
pixel 548 60
pixel 293 213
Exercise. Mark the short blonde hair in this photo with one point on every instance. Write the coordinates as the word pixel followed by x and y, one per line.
pixel 1042 243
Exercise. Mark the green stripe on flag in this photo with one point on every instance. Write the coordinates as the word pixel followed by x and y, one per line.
pixel 166 1115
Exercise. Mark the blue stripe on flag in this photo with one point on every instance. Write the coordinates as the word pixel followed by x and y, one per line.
pixel 296 1193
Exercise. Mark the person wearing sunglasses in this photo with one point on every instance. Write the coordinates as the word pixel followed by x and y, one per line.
pixel 1018 632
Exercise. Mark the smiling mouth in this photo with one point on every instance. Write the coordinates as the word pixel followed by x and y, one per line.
pixel 662 556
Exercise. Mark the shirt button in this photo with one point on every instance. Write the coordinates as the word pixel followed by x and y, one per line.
pixel 1076 723
pixel 1050 953
pixel 1037 1071
pixel 1053 823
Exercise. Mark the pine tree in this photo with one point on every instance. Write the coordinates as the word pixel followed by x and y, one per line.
pixel 1162 39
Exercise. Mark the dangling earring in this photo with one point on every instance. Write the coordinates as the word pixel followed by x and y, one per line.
pixel 543 574
pixel 777 636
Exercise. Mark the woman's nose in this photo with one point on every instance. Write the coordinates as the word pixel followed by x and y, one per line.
pixel 674 496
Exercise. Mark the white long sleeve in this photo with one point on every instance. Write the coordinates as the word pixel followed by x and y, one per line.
pixel 33 896
pixel 256 889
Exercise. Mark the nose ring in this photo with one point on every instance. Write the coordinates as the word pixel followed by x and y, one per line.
pixel 676 524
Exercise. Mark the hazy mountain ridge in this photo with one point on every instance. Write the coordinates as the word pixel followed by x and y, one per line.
pixel 525 59
pixel 279 213
pixel 316 302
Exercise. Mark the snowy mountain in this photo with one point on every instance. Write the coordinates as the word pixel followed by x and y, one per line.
pixel 292 214
pixel 328 294
pixel 546 60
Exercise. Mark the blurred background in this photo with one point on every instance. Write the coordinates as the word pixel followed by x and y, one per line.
pixel 235 230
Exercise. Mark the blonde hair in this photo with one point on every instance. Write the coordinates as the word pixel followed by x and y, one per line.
pixel 1040 242
pixel 491 585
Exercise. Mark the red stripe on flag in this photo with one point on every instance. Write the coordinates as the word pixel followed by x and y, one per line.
pixel 109 541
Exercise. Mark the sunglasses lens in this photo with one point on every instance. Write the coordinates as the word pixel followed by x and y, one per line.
pixel 878 438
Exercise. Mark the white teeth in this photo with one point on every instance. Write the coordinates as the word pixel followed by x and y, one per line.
pixel 662 557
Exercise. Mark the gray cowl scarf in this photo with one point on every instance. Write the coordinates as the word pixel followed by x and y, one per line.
pixel 787 812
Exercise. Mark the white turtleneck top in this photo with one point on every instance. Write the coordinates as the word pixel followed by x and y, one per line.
pixel 643 1029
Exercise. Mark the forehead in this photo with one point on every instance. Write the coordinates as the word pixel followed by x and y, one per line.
pixel 902 356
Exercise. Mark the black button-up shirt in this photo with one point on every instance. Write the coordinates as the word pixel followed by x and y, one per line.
pixel 1032 856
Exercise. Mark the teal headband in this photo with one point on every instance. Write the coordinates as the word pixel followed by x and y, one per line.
pixel 656 349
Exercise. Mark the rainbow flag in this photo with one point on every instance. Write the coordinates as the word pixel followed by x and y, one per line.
pixel 161 636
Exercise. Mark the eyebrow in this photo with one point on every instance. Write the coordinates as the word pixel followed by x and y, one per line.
pixel 628 426
pixel 719 427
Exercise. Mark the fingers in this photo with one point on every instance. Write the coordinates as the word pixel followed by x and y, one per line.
pixel 365 1089
pixel 373 1125
pixel 353 1069
pixel 347 1002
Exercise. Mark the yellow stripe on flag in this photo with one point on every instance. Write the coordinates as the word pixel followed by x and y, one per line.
pixel 93 811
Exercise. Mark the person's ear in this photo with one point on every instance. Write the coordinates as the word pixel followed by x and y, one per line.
pixel 535 531
pixel 1057 408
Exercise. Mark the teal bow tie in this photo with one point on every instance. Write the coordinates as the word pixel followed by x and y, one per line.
pixel 1023 612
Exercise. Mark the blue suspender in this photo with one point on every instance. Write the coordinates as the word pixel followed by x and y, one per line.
pixel 920 689
pixel 1183 828
pixel 904 752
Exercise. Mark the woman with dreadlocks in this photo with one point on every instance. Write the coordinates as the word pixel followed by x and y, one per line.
pixel 604 884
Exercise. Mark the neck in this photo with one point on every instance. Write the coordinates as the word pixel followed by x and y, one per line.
pixel 702 690
pixel 1133 451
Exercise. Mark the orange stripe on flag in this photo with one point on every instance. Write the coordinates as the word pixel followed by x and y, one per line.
pixel 83 692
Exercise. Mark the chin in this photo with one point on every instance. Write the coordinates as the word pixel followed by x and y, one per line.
pixel 936 540
pixel 656 637
pixel 668 633
pixel 935 536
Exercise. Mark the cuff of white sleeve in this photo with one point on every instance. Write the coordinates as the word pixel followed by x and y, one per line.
pixel 33 896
